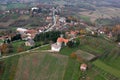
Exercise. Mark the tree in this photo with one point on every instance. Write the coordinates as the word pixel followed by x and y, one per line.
pixel 116 30
pixel 82 32
pixel 21 48
pixel 73 43
pixel 10 48
pixel 70 44
pixel 118 38
pixel 73 56
pixel 16 37
pixel 47 36
pixel 4 48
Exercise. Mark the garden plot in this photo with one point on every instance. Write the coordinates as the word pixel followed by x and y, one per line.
pixel 41 66
pixel 85 55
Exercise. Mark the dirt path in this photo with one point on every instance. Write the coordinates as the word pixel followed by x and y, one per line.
pixel 21 53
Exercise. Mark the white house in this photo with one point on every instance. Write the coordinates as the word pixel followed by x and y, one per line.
pixel 55 47
pixel 34 8
pixel 62 19
pixel 83 67
pixel 21 30
pixel 119 43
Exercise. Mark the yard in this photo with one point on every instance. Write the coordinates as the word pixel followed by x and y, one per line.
pixel 19 44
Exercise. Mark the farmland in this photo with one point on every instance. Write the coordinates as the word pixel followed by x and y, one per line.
pixel 60 66
pixel 41 66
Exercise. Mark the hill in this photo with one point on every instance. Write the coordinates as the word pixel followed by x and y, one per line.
pixel 61 66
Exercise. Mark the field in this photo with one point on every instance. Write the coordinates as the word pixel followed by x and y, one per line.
pixel 96 45
pixel 41 67
pixel 13 6
pixel 101 12
pixel 85 55
pixel 44 66
pixel 60 66
pixel 107 68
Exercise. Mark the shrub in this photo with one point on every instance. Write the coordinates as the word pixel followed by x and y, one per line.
pixel 73 43
pixel 70 44
pixel 20 49
pixel 73 55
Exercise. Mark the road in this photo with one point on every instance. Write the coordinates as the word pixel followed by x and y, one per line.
pixel 54 22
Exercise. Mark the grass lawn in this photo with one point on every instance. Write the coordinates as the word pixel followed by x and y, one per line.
pixel 17 44
pixel 67 51
pixel 107 68
pixel 1 41
pixel 48 47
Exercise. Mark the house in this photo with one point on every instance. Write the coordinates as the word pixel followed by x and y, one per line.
pixel 73 34
pixel 21 30
pixel 55 47
pixel 110 35
pixel 60 41
pixel 119 43
pixel 62 20
pixel 30 42
pixel 48 19
pixel 32 33
pixel 83 67
pixel 34 8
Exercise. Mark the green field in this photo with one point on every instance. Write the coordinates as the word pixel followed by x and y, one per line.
pixel 41 66
pixel 60 66
pixel 96 45
pixel 107 68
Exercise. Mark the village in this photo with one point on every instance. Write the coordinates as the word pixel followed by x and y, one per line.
pixel 82 42
pixel 69 25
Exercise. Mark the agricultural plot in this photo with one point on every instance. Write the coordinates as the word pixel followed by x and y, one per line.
pixel 103 12
pixel 85 55
pixel 96 46
pixel 39 66
pixel 107 68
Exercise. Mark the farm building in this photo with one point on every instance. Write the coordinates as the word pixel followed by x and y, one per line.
pixel 83 67
pixel 30 42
